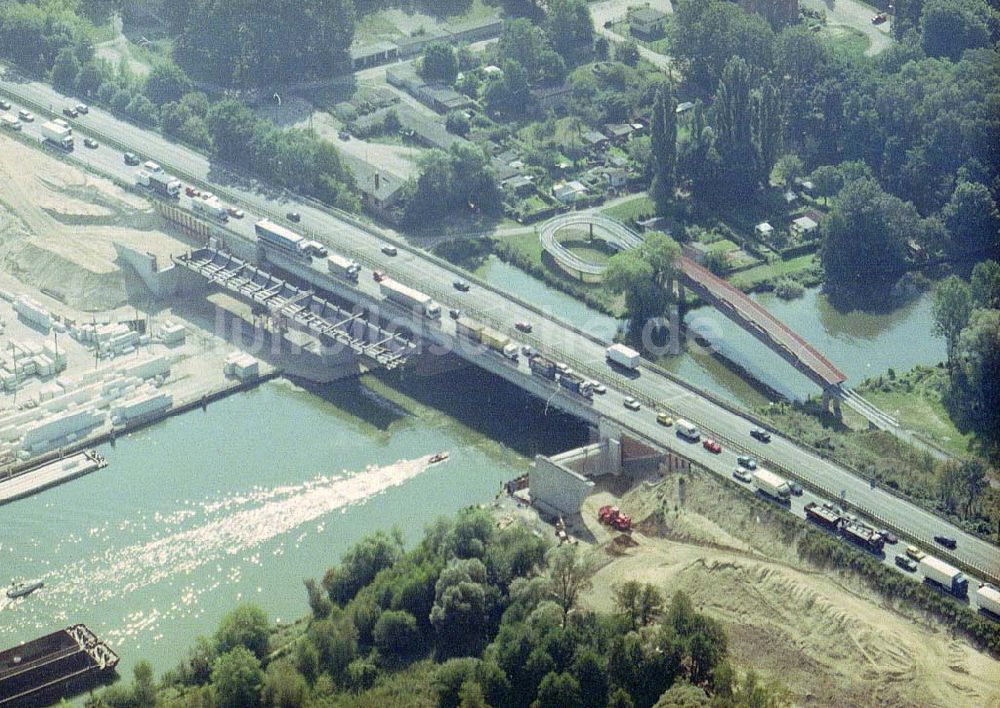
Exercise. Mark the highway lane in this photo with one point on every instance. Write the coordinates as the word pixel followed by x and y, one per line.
pixel 551 335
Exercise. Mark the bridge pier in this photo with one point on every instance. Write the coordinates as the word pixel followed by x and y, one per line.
pixel 831 399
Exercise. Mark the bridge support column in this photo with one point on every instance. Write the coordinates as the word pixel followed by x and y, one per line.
pixel 675 329
pixel 831 401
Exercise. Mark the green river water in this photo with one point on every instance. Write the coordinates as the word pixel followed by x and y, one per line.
pixel 245 500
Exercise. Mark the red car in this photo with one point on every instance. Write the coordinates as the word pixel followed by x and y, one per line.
pixel 712 446
pixel 192 192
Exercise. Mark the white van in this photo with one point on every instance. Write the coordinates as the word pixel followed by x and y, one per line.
pixel 10 122
pixel 686 430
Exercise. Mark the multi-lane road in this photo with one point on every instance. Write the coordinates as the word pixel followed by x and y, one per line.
pixel 550 334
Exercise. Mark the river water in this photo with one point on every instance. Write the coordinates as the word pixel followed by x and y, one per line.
pixel 860 344
pixel 245 500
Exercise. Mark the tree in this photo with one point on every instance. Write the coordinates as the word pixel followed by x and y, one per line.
pixel 65 69
pixel 786 170
pixel 464 607
pixel 246 626
pixel 233 127
pixel 627 53
pixel 449 678
pixel 985 285
pixel 558 691
pixel 569 573
pixel 284 687
pixel 458 123
pixel 864 241
pixel 144 685
pixel 361 564
pixel 961 484
pixel 166 82
pixel 973 222
pixel 949 27
pixel 664 149
pixel 237 678
pixel 952 307
pixel 734 129
pixel 440 63
pixel 975 385
pixel 683 695
pixel 570 29
pixel 396 634
pixel 826 182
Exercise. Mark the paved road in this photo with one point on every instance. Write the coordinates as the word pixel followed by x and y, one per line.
pixel 560 340
pixel 856 15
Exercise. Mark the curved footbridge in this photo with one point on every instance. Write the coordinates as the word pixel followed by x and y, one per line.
pixel 731 301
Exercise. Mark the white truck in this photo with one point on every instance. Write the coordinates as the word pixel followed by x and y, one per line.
pixel 342 267
pixel 988 598
pixel 937 572
pixel 160 182
pixel 767 482
pixel 623 356
pixel 687 430
pixel 410 298
pixel 10 122
pixel 57 134
pixel 211 206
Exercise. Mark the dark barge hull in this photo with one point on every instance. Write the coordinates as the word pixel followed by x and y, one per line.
pixel 60 664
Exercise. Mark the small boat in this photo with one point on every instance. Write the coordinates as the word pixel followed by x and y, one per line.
pixel 439 457
pixel 17 590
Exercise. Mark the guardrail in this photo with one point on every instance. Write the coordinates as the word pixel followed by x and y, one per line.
pixel 621 382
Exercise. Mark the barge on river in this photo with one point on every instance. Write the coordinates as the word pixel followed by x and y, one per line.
pixel 57 665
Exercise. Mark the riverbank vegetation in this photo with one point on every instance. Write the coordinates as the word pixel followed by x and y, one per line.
pixel 473 616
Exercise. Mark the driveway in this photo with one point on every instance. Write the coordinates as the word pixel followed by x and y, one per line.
pixel 856 15
pixel 614 10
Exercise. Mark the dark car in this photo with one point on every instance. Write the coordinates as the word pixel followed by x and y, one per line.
pixel 946 541
pixel 389 250
pixel 90 143
pixel 4 105
pixel 454 313
pixel 795 488
pixel 906 563
pixel 461 285
pixel 71 112
pixel 131 158
pixel 523 326
pixel 888 537
pixel 746 461
pixel 294 216
pixel 760 434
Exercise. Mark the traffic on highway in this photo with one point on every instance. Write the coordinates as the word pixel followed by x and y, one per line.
pixel 635 396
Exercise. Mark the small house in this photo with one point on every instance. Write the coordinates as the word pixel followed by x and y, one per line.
pixel 763 230
pixel 646 23
pixel 569 192
pixel 804 226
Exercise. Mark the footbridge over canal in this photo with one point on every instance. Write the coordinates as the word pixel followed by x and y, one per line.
pixel 731 301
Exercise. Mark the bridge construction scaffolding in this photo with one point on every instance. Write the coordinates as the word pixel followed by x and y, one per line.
pixel 301 309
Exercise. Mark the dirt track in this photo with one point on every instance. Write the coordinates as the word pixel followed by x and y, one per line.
pixel 828 639
pixel 59 226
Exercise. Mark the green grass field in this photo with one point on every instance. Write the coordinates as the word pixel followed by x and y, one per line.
pixel 770 271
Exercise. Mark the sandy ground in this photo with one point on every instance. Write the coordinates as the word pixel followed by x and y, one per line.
pixel 827 638
pixel 59 226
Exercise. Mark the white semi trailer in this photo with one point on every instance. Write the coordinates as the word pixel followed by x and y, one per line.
pixel 57 134
pixel 623 356
pixel 211 206
pixel 988 598
pixel 767 482
pixel 343 267
pixel 937 572
pixel 410 298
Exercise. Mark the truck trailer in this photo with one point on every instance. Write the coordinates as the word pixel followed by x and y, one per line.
pixel 161 183
pixel 57 134
pixel 823 515
pixel 772 485
pixel 623 356
pixel 937 572
pixel 271 235
pixel 210 206
pixel 576 384
pixel 469 328
pixel 409 298
pixel 862 535
pixel 342 267
pixel 540 366
pixel 988 599
pixel 493 339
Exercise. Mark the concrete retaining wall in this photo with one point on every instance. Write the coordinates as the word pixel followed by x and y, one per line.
pixel 556 489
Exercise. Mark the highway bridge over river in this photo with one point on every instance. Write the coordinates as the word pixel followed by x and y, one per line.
pixel 352 237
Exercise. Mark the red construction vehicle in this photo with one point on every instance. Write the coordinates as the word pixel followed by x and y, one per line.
pixel 613 517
